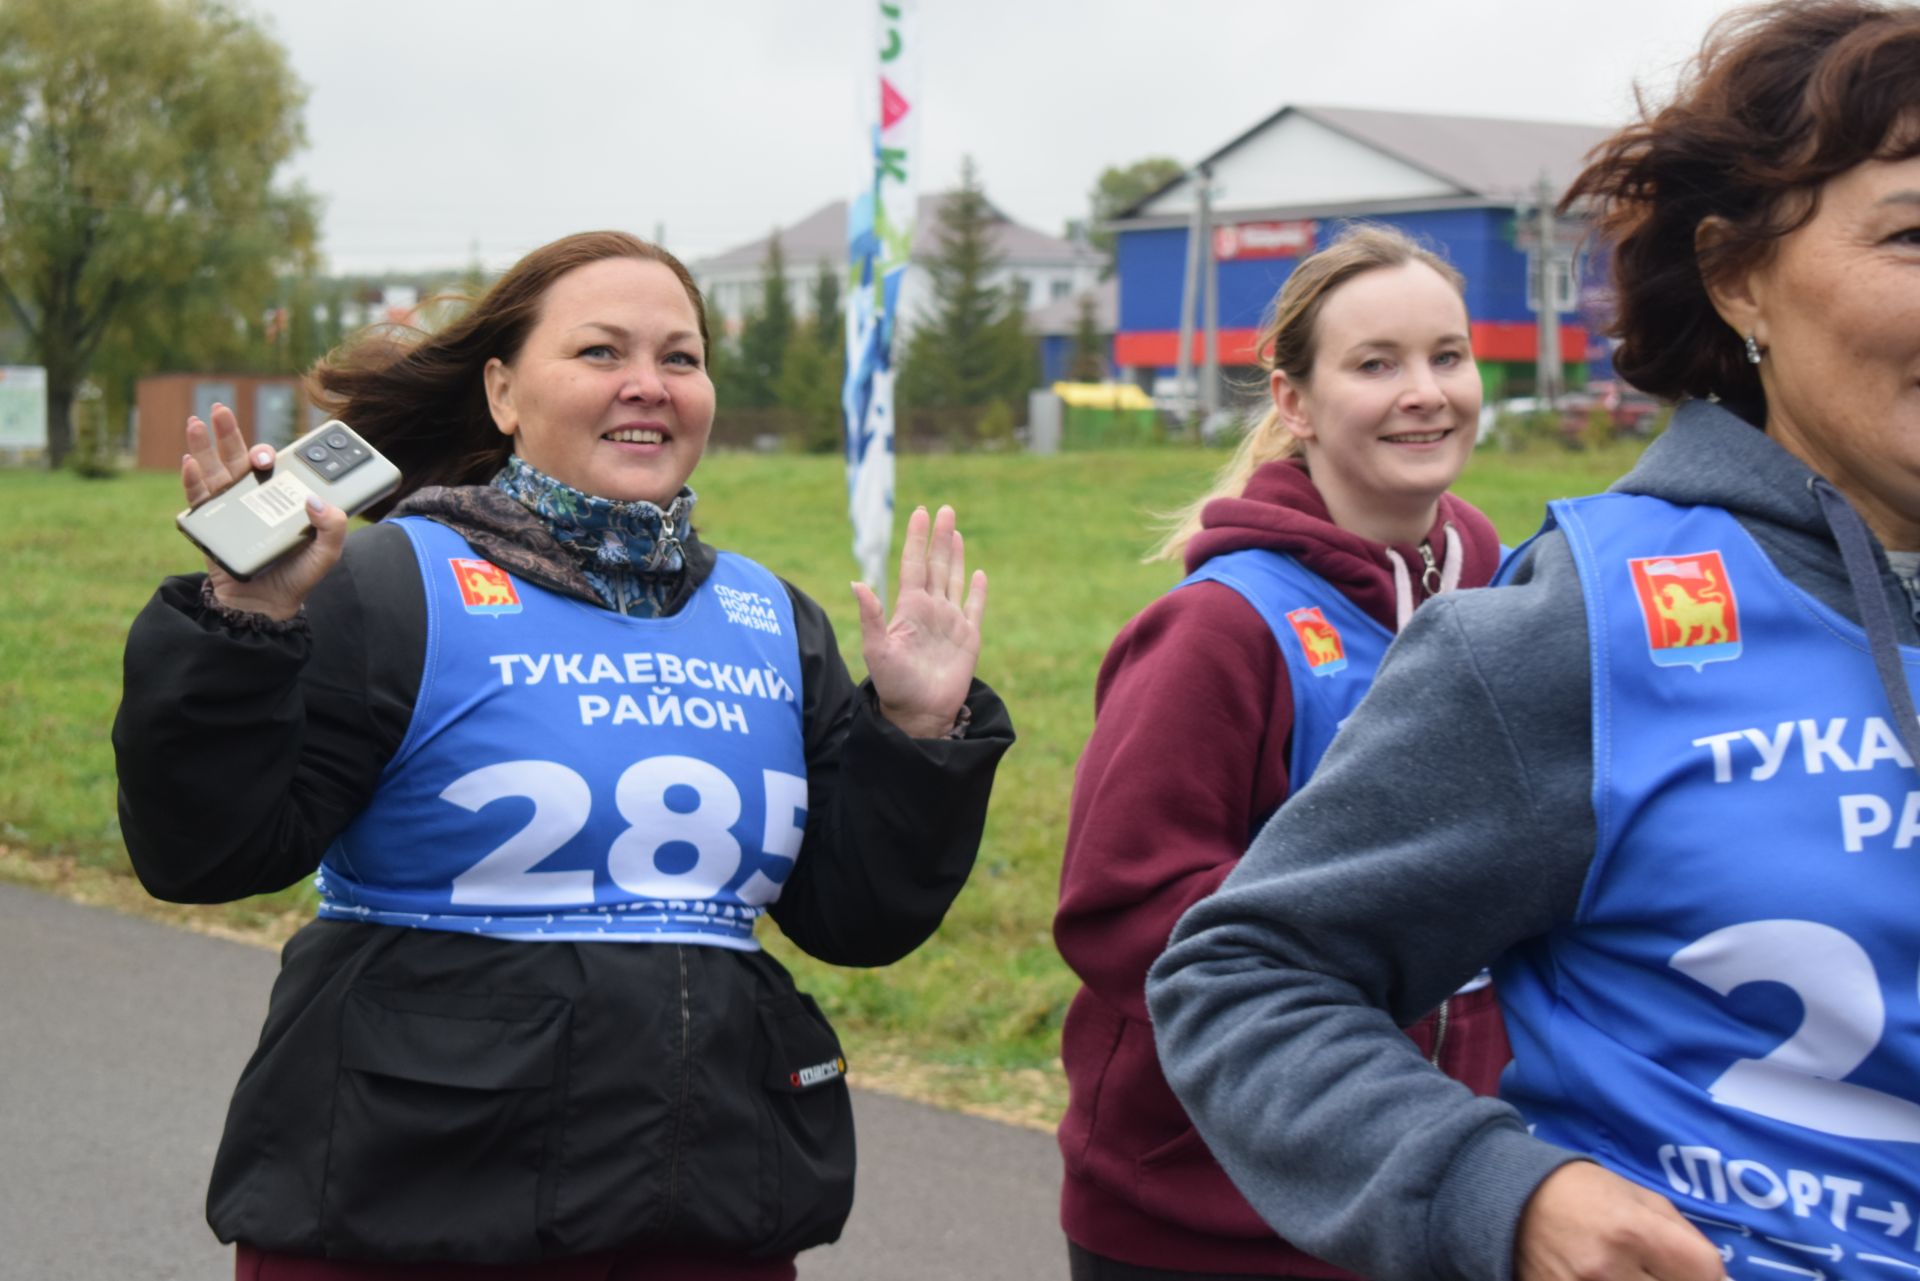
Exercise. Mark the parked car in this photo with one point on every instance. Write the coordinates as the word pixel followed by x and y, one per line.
pixel 1632 412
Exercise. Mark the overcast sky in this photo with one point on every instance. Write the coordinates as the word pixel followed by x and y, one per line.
pixel 439 130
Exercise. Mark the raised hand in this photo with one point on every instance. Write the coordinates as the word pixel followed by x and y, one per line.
pixel 217 458
pixel 922 660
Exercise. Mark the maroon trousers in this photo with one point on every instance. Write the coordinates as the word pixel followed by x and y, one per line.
pixel 250 1264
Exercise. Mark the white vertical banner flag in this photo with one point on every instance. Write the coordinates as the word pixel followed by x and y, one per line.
pixel 879 237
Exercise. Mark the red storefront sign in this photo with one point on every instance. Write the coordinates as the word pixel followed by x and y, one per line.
pixel 1291 239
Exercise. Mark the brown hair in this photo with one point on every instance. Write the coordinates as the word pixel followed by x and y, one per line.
pixel 421 398
pixel 1286 343
pixel 1782 98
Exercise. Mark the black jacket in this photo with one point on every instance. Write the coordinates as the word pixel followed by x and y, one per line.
pixel 427 1095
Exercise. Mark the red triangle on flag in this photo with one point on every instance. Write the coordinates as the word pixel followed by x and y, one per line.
pixel 892 105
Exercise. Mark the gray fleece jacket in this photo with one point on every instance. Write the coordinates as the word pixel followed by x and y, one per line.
pixel 1277 1004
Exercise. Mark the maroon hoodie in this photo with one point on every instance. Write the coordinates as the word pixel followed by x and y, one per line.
pixel 1193 713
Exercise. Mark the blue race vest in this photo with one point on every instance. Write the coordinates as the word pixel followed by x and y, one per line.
pixel 572 773
pixel 1733 1019
pixel 1331 647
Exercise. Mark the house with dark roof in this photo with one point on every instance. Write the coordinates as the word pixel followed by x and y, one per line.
pixel 1048 268
pixel 1286 186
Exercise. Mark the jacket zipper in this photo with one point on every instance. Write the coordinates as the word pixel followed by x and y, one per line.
pixel 1439 1032
pixel 686 1088
pixel 1430 579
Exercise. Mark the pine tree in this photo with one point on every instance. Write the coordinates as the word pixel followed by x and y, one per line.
pixel 971 348
pixel 767 331
pixel 824 370
pixel 724 366
pixel 1016 357
pixel 829 327
pixel 1088 363
pixel 809 390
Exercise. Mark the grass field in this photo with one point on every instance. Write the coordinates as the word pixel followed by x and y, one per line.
pixel 973 1018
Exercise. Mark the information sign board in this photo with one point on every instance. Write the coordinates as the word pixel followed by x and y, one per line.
pixel 23 407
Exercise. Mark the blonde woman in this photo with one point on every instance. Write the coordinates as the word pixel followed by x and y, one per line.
pixel 1323 534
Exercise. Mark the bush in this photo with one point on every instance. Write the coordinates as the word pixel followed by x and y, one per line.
pixel 995 427
pixel 1599 430
pixel 1518 433
pixel 92 456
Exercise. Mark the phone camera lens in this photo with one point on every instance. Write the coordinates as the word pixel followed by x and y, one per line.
pixel 337 441
pixel 316 453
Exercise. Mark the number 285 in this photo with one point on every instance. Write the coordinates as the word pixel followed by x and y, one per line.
pixel 664 799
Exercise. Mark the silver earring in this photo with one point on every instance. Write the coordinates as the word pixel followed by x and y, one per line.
pixel 1753 351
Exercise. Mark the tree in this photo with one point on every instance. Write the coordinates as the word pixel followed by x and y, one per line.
pixel 724 366
pixel 1088 361
pixel 971 348
pixel 829 327
pixel 722 362
pixel 815 372
pixel 138 145
pixel 476 279
pixel 767 331
pixel 1118 189
pixel 1016 356
pixel 809 390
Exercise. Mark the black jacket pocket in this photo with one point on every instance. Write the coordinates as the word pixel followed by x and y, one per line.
pixel 446 1115
pixel 804 1076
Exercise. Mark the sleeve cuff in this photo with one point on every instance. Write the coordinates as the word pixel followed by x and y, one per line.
pixel 982 719
pixel 1476 1212
pixel 244 620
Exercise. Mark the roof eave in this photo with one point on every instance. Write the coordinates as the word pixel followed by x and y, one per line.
pixel 1324 209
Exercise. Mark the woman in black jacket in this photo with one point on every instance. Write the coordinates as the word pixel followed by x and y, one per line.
pixel 552 756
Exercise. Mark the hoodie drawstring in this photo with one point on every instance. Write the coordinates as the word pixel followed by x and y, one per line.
pixel 1863 576
pixel 1447 573
pixel 1456 561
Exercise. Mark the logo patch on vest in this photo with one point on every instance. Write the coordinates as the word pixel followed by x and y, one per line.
pixel 747 609
pixel 484 586
pixel 818 1074
pixel 1691 615
pixel 1326 653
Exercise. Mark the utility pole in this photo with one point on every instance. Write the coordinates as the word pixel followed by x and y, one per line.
pixel 1210 337
pixel 1549 373
pixel 1197 231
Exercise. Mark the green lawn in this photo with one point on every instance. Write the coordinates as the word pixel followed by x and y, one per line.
pixel 977 1011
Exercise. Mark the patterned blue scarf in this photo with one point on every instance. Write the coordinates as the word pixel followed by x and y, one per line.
pixel 630 552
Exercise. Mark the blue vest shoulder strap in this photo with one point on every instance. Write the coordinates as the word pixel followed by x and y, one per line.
pixel 1330 646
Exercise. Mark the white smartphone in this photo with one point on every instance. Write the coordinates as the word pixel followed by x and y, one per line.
pixel 259 519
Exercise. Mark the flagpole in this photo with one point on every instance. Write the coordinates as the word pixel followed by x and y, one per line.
pixel 879 241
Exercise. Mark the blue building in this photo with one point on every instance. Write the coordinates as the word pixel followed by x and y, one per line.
pixel 1286 186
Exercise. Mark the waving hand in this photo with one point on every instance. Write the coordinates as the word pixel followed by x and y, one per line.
pixel 922 660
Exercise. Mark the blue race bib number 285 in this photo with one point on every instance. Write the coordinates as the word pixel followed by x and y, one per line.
pixel 664 799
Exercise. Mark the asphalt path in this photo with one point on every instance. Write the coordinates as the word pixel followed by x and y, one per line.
pixel 120 1040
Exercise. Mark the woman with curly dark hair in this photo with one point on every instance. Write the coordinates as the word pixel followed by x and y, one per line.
pixel 1688 826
